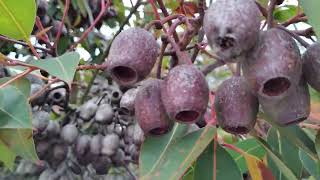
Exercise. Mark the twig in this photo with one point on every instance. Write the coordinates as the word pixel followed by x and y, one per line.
pixel 206 70
pixel 3 38
pixel 163 49
pixel 94 66
pixel 41 28
pixel 300 17
pixel 104 6
pixel 42 90
pixel 155 10
pixel 166 14
pixel 271 7
pixel 262 10
pixel 65 11
pixel 29 70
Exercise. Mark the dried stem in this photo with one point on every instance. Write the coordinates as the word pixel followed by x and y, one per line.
pixel 163 49
pixel 104 6
pixel 19 76
pixel 65 12
pixel 3 38
pixel 206 70
pixel 271 7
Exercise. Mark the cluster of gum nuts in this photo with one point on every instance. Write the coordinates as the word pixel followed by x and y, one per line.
pixel 271 74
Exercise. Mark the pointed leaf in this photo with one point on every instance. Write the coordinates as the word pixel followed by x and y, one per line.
pixel 15 111
pixel 7 156
pixel 288 151
pixel 296 136
pixel 226 168
pixel 311 166
pixel 311 9
pixel 176 157
pixel 63 67
pixel 17 18
pixel 20 142
pixel 249 146
pixel 277 160
pixel 317 143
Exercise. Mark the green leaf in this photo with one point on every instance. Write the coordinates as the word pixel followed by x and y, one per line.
pixel 296 136
pixel 171 4
pixel 276 158
pixel 20 142
pixel 249 146
pixel 317 143
pixel 284 13
pixel 63 67
pixel 310 165
pixel 311 9
pixel 17 18
pixel 15 110
pixel 7 156
pixel 171 159
pixel 226 168
pixel 288 152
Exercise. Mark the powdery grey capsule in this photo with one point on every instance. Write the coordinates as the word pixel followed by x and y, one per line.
pixel 104 114
pixel 132 55
pixel 127 101
pixel 110 144
pixel 69 133
pixel 232 27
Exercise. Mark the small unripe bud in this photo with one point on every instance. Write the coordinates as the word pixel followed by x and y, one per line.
pixel 88 109
pixel 53 128
pixel 127 101
pixel 149 110
pixel 274 65
pixel 290 109
pixel 101 164
pixel 40 120
pixel 232 27
pixel 110 144
pixel 96 144
pixel 311 66
pixel 69 133
pixel 185 94
pixel 104 114
pixel 236 106
pixel 132 55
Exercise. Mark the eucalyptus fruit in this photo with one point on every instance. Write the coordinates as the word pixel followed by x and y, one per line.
pixel 236 106
pixel 149 110
pixel 132 55
pixel 311 65
pixel 232 27
pixel 274 65
pixel 185 94
pixel 291 109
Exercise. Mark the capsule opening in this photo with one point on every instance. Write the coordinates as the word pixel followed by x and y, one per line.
pixel 187 116
pixel 237 130
pixel 276 86
pixel 124 74
pixel 226 42
pixel 159 131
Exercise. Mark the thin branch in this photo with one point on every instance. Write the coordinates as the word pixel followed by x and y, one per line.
pixel 163 49
pixel 271 7
pixel 65 11
pixel 209 68
pixel 42 90
pixel 19 76
pixel 300 17
pixel 166 14
pixel 104 6
pixel 155 10
pixel 3 38
pixel 41 28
